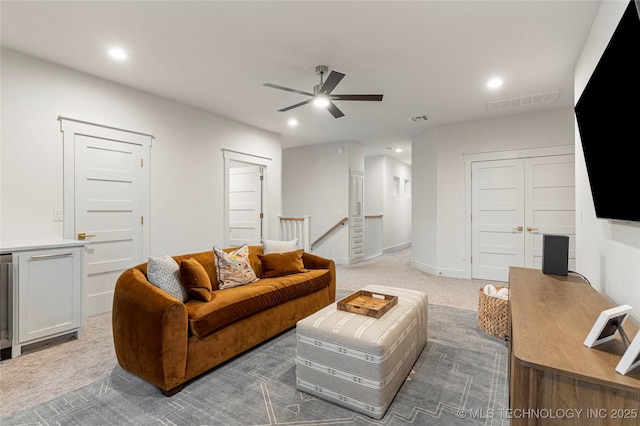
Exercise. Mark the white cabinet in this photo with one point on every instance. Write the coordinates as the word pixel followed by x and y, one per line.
pixel 47 292
pixel 356 215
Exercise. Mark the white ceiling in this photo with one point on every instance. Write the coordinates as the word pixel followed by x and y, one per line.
pixel 428 58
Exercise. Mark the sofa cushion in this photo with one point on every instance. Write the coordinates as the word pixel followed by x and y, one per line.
pixel 234 268
pixel 208 262
pixel 206 259
pixel 277 264
pixel 273 246
pixel 164 273
pixel 229 305
pixel 195 279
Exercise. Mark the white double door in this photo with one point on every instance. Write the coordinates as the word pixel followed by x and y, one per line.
pixel 514 203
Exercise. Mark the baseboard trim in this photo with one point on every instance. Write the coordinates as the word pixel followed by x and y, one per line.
pixel 397 247
pixel 342 261
pixel 424 267
pixel 450 273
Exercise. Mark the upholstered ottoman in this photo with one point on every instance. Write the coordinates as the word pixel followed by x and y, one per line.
pixel 358 361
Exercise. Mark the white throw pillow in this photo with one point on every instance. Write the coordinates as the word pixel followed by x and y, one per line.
pixel 271 246
pixel 164 273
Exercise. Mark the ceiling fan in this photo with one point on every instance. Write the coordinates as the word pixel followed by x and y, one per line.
pixel 322 95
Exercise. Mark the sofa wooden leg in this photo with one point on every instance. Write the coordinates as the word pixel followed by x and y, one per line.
pixel 172 391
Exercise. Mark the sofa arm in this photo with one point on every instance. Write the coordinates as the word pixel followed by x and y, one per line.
pixel 150 331
pixel 311 261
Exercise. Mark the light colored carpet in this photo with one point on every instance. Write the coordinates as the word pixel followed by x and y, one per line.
pixel 395 270
pixel 62 365
pixel 460 372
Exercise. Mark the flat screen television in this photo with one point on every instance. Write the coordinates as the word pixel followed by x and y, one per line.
pixel 608 117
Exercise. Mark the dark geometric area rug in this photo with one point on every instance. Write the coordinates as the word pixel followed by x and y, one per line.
pixel 459 379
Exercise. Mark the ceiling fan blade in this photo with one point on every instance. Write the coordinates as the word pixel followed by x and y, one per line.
pixel 356 97
pixel 333 109
pixel 275 86
pixel 331 83
pixel 295 106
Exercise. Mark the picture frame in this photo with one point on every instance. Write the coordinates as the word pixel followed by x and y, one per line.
pixel 608 325
pixel 631 357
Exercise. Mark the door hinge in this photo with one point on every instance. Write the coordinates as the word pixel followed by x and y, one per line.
pixel 261 215
pixel 261 177
pixel 142 162
pixel 141 220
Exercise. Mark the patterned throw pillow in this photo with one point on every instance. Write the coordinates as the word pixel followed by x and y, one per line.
pixel 271 246
pixel 233 268
pixel 164 273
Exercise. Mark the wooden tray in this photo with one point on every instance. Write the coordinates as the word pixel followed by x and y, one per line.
pixel 367 303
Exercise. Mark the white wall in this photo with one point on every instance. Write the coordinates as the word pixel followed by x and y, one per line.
pixel 380 199
pixel 439 220
pixel 186 161
pixel 424 208
pixel 608 251
pixel 373 178
pixel 316 183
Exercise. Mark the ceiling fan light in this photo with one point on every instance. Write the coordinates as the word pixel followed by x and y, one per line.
pixel 321 101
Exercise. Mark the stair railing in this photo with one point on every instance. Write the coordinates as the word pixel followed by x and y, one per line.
pixel 296 227
pixel 373 236
pixel 330 233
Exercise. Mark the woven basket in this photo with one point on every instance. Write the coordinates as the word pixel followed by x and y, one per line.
pixel 493 314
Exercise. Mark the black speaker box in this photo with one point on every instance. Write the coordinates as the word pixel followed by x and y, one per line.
pixel 555 254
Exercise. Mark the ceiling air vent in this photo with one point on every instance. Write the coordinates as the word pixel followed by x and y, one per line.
pixel 551 96
pixel 419 118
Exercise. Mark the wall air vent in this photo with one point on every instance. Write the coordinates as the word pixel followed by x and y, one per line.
pixel 419 118
pixel 551 96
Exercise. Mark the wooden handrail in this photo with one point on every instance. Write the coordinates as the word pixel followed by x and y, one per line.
pixel 330 231
pixel 300 219
pixel 373 216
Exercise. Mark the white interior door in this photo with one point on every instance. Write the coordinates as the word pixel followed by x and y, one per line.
pixel 245 204
pixel 109 213
pixel 497 218
pixel 515 202
pixel 550 201
pixel 107 200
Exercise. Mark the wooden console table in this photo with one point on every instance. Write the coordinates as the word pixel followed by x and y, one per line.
pixel 553 377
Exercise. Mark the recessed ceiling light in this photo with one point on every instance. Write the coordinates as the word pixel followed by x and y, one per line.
pixel 398 149
pixel 494 83
pixel 292 122
pixel 118 54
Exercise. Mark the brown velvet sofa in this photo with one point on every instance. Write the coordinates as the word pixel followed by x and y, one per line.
pixel 168 342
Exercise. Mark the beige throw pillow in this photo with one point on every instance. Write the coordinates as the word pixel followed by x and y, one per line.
pixel 273 246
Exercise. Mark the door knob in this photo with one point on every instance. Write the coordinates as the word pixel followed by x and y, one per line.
pixel 83 236
pixel 519 229
pixel 530 228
